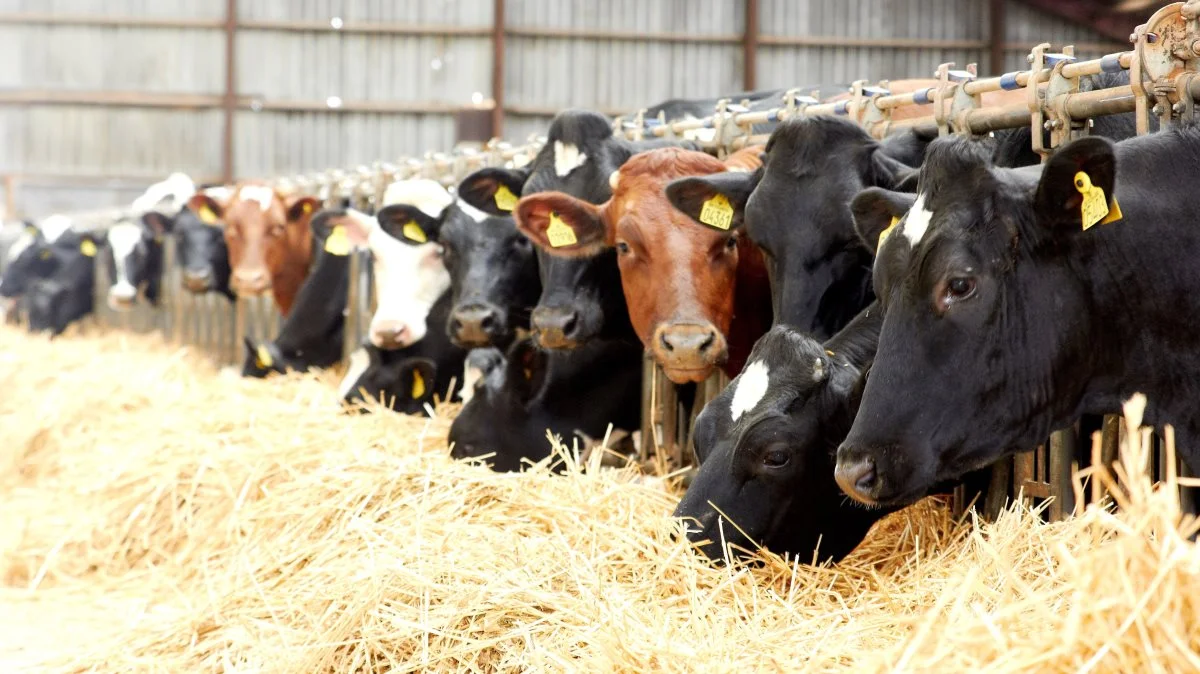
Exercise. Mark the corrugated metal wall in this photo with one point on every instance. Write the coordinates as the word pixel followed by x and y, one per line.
pixel 292 60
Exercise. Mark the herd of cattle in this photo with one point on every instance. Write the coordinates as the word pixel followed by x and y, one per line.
pixel 894 314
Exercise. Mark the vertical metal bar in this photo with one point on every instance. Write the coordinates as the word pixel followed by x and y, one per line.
pixel 10 196
pixel 668 404
pixel 996 30
pixel 1062 452
pixel 750 47
pixel 648 399
pixel 497 67
pixel 229 103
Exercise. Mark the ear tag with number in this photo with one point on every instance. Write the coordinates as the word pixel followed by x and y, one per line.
pixel 337 243
pixel 884 234
pixel 559 233
pixel 1094 209
pixel 207 216
pixel 88 248
pixel 262 357
pixel 307 207
pixel 413 232
pixel 717 212
pixel 418 385
pixel 505 199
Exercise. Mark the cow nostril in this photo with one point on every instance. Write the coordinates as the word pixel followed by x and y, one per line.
pixel 488 322
pixel 709 339
pixel 455 326
pixel 666 343
pixel 868 478
pixel 570 325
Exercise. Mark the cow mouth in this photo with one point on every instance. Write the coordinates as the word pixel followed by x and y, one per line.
pixel 554 339
pixel 685 375
pixel 120 304
pixel 194 285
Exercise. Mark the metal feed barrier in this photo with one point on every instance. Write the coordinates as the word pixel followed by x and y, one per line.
pixel 1164 65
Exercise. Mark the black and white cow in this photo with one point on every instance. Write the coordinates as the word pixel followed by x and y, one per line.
pixel 1014 305
pixel 313 334
pixel 30 257
pixel 518 396
pixel 133 253
pixel 407 379
pixel 201 253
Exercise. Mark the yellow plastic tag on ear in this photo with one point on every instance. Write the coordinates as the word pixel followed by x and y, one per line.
pixel 559 233
pixel 1114 214
pixel 413 232
pixel 207 216
pixel 505 199
pixel 888 230
pixel 262 357
pixel 307 208
pixel 717 212
pixel 1095 206
pixel 418 385
pixel 88 248
pixel 337 243
pixel 45 255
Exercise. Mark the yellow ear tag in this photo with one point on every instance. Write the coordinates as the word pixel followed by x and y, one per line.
pixel 337 243
pixel 45 254
pixel 505 199
pixel 88 248
pixel 559 233
pixel 413 232
pixel 31 231
pixel 307 208
pixel 418 385
pixel 717 212
pixel 1094 209
pixel 884 234
pixel 207 216
pixel 262 357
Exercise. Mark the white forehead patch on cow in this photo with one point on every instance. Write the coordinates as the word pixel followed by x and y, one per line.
pixel 917 221
pixel 567 158
pixel 54 227
pixel 428 196
pixel 24 241
pixel 261 193
pixel 472 212
pixel 168 195
pixel 123 238
pixel 471 377
pixel 751 387
pixel 359 362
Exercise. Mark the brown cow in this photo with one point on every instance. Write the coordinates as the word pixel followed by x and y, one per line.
pixel 269 240
pixel 698 298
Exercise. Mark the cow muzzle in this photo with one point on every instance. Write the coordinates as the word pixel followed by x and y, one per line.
pixel 556 328
pixel 475 325
pixel 122 297
pixel 389 335
pixel 197 281
pixel 688 352
pixel 856 474
pixel 255 282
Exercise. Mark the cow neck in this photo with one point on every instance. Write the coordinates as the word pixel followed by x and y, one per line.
pixel 320 305
pixel 752 306
pixel 293 269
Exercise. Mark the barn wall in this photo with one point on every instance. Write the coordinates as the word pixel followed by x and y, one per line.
pixel 398 92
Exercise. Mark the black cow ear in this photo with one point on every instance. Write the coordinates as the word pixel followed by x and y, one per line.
pixel 875 211
pixel 1076 189
pixel 526 370
pixel 158 224
pixel 417 379
pixel 886 171
pixel 717 201
pixel 494 190
pixel 409 224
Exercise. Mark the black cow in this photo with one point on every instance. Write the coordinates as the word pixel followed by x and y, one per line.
pixel 1011 312
pixel 407 379
pixel 64 294
pixel 26 261
pixel 521 395
pixel 133 254
pixel 313 334
pixel 201 253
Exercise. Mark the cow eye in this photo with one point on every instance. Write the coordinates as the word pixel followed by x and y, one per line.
pixel 955 290
pixel 622 248
pixel 731 243
pixel 776 458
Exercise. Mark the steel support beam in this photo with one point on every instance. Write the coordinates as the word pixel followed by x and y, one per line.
pixel 229 104
pixel 750 47
pixel 498 67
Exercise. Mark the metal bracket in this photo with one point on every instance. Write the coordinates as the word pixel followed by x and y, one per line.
pixel 963 102
pixel 1037 117
pixel 1058 92
pixel 939 98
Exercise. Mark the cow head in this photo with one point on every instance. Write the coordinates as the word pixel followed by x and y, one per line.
pixel 260 360
pixel 269 241
pixel 766 446
pixel 403 383
pixel 133 255
pixel 796 209
pixel 988 328
pixel 26 260
pixel 201 252
pixel 678 279
pixel 410 273
pixel 65 292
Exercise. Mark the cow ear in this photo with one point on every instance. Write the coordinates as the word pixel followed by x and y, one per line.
pixel 875 211
pixel 159 224
pixel 885 171
pixel 1082 166
pixel 301 207
pixel 409 224
pixel 208 209
pixel 562 224
pixel 716 201
pixel 907 181
pixel 417 379
pixel 526 370
pixel 493 190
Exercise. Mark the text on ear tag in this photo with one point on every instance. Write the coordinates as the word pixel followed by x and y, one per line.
pixel 716 212
pixel 337 243
pixel 1094 207
pixel 88 248
pixel 505 199
pixel 418 385
pixel 262 357
pixel 207 216
pixel 413 232
pixel 559 233
pixel 888 230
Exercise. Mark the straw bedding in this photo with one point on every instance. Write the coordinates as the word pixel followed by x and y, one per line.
pixel 159 515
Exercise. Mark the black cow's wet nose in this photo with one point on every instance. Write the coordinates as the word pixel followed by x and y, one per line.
pixel 474 324
pixel 858 477
pixel 556 328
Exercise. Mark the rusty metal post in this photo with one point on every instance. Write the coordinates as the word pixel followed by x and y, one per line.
pixel 498 67
pixel 649 388
pixel 997 25
pixel 750 47
pixel 229 102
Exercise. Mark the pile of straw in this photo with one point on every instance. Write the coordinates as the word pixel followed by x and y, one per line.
pixel 158 515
